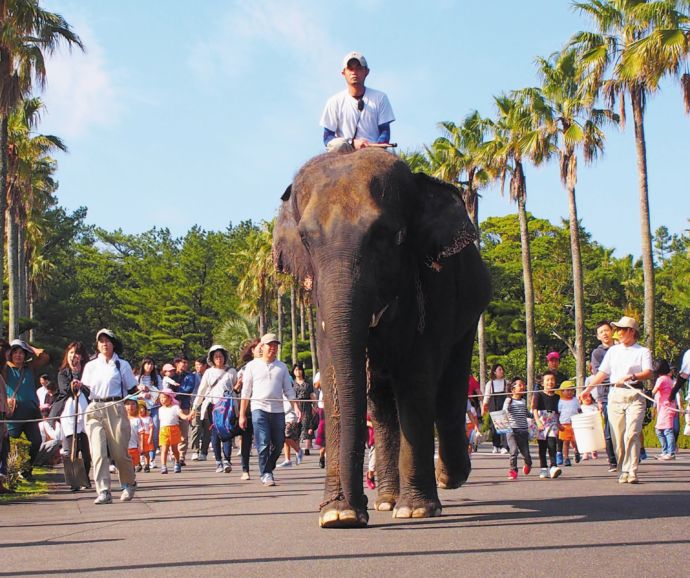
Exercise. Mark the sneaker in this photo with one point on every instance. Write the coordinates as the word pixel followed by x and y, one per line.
pixel 112 469
pixel 299 457
pixel 613 468
pixel 154 465
pixel 227 468
pixel 643 454
pixel 623 478
pixel 512 475
pixel 526 469
pixel 267 480
pixel 238 453
pixel 371 480
pixel 659 456
pixel 559 459
pixel 322 462
pixel 219 468
pixel 244 476
pixel 285 464
pixel 147 469
pixel 504 451
pixel 567 462
pixel 307 452
pixel 182 463
pixel 138 468
pixel 543 473
pixel 103 498
pixel 667 457
pixel 595 455
pixel 632 479
pixel 28 476
pixel 495 450
pixel 177 468
pixel 164 469
pixel 195 457
pixel 578 457
pixel 127 493
pixel 202 457
pixel 554 472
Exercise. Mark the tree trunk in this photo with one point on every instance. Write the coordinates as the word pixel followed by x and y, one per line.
pixel 645 227
pixel 32 332
pixel 473 210
pixel 262 313
pixel 279 312
pixel 12 274
pixel 23 291
pixel 529 291
pixel 578 281
pixel 293 320
pixel 312 341
pixel 3 208
pixel 301 316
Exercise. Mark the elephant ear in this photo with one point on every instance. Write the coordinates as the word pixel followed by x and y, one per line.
pixel 289 254
pixel 441 224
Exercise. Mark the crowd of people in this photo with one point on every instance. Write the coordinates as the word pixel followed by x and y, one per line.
pixel 108 417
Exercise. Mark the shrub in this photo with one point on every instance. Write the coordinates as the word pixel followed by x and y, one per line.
pixel 18 460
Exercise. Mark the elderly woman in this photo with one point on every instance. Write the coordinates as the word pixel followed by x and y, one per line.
pixel 22 401
pixel 627 365
pixel 110 379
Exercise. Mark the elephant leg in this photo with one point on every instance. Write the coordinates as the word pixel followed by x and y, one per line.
pixel 454 465
pixel 384 415
pixel 335 511
pixel 418 496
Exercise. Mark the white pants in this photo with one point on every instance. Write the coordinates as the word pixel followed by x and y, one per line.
pixel 626 411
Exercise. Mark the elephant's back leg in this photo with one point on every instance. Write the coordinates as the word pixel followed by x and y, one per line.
pixel 453 466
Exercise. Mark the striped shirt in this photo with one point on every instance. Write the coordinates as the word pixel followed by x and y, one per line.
pixel 517 412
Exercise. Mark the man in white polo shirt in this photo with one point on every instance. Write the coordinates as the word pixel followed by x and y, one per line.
pixel 107 425
pixel 357 116
pixel 627 365
pixel 264 383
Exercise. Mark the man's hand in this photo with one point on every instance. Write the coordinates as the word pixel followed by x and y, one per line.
pixel 76 386
pixel 360 143
pixel 243 422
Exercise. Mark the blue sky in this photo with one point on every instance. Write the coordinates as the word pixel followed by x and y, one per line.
pixel 184 113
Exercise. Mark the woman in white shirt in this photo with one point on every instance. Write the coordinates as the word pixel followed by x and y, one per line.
pixel 495 393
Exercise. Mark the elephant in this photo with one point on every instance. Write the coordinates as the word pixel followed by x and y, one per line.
pixel 399 286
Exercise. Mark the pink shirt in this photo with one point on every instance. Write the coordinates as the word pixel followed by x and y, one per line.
pixel 664 408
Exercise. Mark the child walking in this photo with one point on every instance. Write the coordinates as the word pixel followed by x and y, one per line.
pixel 518 439
pixel 148 450
pixel 132 408
pixel 665 410
pixel 568 406
pixel 170 435
pixel 545 410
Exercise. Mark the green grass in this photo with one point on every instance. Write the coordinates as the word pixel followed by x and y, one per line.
pixel 30 490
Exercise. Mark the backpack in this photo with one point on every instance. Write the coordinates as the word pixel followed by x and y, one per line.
pixel 224 417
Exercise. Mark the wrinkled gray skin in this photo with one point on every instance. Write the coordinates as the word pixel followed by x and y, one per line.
pixel 399 287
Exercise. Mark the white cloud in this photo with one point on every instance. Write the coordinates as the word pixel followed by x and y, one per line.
pixel 80 92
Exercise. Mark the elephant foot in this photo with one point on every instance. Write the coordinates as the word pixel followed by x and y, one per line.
pixel 417 509
pixel 340 514
pixel 448 482
pixel 385 503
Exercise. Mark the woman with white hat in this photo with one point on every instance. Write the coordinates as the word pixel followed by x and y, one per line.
pixel 110 380
pixel 627 364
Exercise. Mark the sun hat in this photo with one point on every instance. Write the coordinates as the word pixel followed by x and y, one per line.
pixel 553 355
pixel 626 322
pixel 117 343
pixel 212 350
pixel 358 56
pixel 18 343
pixel 167 367
pixel 567 384
pixel 269 338
pixel 170 393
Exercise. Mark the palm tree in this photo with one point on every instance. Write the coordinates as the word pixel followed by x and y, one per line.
pixel 570 117
pixel 458 158
pixel 514 140
pixel 26 33
pixel 636 43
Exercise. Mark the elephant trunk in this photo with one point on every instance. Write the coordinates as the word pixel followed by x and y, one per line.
pixel 345 327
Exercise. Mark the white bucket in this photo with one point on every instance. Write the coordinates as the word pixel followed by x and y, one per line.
pixel 589 432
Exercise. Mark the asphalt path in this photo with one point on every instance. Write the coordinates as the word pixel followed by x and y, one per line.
pixel 201 523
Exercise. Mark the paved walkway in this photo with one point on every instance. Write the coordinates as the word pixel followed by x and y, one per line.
pixel 207 524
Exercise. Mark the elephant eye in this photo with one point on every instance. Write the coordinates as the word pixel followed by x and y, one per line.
pixel 400 237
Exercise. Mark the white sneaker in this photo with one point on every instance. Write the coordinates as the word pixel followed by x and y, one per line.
pixel 112 469
pixel 267 480
pixel 127 493
pixel 103 498
pixel 202 457
pixel 153 465
pixel 554 472
pixel 299 457
pixel 504 451
pixel 285 464
pixel 239 453
pixel 195 457
pixel 245 476
pixel 227 468
pixel 495 450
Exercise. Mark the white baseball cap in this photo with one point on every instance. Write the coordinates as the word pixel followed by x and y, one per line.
pixel 358 56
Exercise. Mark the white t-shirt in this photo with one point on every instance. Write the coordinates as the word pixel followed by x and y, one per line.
pixel 620 361
pixel 342 116
pixel 591 408
pixel 67 415
pixel 104 378
pixel 169 415
pixel 135 426
pixel 567 408
pixel 266 384
pixel 685 364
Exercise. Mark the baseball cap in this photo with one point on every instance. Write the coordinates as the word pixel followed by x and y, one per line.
pixel 168 367
pixel 269 338
pixel 553 355
pixel 628 322
pixel 358 56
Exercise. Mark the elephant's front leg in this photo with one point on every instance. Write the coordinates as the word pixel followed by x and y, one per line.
pixel 335 510
pixel 384 414
pixel 418 496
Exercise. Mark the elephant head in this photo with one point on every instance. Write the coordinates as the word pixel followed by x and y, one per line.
pixel 359 229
